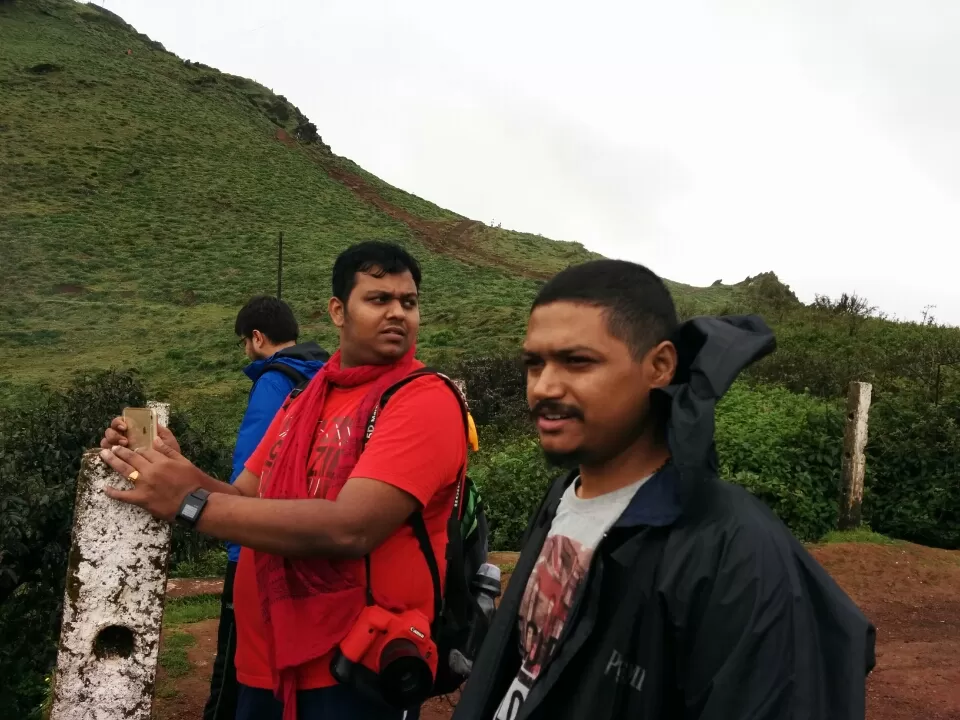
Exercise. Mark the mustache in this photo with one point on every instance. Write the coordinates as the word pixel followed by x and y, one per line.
pixel 552 407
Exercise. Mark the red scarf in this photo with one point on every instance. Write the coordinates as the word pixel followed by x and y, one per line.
pixel 310 604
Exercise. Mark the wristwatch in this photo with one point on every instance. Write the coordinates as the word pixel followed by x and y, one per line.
pixel 191 507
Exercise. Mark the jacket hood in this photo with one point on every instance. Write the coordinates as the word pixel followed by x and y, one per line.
pixel 307 357
pixel 712 352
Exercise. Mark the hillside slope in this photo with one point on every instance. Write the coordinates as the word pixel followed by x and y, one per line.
pixel 142 196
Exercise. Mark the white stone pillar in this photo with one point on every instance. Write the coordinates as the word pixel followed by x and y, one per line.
pixel 463 387
pixel 113 605
pixel 854 461
pixel 163 411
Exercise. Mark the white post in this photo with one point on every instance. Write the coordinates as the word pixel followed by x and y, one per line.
pixel 854 461
pixel 460 384
pixel 113 605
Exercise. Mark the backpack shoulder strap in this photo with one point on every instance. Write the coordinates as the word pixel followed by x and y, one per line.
pixel 454 553
pixel 297 377
pixel 300 381
pixel 421 372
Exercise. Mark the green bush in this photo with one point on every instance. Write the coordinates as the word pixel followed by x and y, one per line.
pixel 821 350
pixel 209 564
pixel 513 477
pixel 785 449
pixel 497 388
pixel 913 472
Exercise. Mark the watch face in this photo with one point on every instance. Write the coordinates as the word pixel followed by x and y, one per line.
pixel 189 512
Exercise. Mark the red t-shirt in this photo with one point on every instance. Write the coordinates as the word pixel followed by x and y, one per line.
pixel 419 446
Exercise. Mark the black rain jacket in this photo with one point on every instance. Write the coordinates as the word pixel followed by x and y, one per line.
pixel 699 603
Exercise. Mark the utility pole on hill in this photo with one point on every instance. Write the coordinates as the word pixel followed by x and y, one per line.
pixel 280 265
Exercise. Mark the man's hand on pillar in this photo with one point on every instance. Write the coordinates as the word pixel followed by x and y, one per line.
pixel 161 477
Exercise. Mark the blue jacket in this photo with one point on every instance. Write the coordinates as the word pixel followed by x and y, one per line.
pixel 270 389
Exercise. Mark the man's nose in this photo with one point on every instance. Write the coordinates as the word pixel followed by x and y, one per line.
pixel 396 311
pixel 546 385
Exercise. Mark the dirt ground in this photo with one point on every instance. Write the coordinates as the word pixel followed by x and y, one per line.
pixel 912 596
pixel 910 593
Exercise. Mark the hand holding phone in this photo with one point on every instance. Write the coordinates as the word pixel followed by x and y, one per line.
pixel 141 427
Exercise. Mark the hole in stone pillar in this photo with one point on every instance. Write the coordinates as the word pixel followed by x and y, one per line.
pixel 113 641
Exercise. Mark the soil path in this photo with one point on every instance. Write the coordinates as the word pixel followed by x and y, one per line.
pixel 456 238
pixel 912 596
pixel 910 593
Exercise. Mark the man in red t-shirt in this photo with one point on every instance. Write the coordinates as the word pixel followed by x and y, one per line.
pixel 301 579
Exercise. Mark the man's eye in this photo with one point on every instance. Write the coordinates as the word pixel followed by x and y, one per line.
pixel 410 304
pixel 577 360
pixel 532 362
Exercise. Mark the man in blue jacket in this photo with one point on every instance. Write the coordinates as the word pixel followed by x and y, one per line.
pixel 268 334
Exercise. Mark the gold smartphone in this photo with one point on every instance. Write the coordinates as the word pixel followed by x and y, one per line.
pixel 141 427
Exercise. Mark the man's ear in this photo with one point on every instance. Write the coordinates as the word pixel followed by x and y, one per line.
pixel 337 310
pixel 662 359
pixel 258 338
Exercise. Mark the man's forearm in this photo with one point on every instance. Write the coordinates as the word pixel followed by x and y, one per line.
pixel 212 485
pixel 291 528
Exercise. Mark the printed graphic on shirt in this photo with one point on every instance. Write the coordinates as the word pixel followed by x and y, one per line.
pixel 577 529
pixel 546 605
pixel 328 442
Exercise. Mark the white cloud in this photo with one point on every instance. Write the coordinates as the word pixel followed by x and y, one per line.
pixel 709 140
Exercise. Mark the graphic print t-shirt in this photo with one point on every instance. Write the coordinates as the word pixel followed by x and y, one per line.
pixel 562 566
pixel 419 446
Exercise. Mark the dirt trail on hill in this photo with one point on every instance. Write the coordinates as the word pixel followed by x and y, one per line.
pixel 910 593
pixel 454 238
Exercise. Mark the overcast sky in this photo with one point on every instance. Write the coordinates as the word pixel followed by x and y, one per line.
pixel 709 140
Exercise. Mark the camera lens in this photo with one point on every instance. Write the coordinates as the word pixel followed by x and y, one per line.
pixel 405 677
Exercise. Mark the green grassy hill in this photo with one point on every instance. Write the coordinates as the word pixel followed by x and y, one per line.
pixel 142 197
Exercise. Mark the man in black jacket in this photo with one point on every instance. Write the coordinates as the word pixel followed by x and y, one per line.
pixel 648 587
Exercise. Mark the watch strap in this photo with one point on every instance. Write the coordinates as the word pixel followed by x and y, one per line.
pixel 192 507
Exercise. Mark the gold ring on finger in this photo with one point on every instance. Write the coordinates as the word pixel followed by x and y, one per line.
pixel 134 476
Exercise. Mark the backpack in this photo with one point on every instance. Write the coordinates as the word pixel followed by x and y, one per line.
pixel 459 624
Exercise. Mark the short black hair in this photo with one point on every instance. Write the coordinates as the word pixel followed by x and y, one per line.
pixel 271 316
pixel 639 308
pixel 375 257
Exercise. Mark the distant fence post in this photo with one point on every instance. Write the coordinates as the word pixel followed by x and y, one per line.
pixel 113 604
pixel 854 459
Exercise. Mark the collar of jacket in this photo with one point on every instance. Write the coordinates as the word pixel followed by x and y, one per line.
pixel 254 369
pixel 656 503
pixel 306 352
